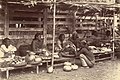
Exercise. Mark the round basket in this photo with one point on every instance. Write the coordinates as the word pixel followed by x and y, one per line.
pixel 34 63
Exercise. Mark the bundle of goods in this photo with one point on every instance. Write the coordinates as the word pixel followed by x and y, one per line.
pixel 5 64
pixel 50 69
pixel 68 66
pixel 46 54
pixel 18 62
pixel 31 58
pixel 56 55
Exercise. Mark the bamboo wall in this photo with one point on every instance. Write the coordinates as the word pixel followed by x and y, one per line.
pixel 20 23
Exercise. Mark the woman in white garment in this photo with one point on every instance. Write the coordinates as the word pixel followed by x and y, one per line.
pixel 6 48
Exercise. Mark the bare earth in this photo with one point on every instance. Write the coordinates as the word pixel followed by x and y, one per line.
pixel 103 70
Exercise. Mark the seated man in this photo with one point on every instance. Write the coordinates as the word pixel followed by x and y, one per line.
pixel 86 56
pixel 6 48
pixel 95 39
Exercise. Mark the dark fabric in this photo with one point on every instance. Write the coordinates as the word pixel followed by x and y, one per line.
pixel 87 53
pixel 68 52
pixel 77 42
pixel 22 50
pixel 84 49
pixel 36 45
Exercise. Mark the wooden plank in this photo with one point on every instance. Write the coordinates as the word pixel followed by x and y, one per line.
pixel 25 22
pixel 16 7
pixel 59 16
pixel 14 68
pixel 93 23
pixel 60 23
pixel 26 29
pixel 80 17
pixel 97 2
pixel 103 59
pixel 21 36
pixel 26 14
pixel 86 28
pixel 89 17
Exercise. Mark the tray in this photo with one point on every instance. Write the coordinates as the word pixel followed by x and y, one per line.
pixel 19 65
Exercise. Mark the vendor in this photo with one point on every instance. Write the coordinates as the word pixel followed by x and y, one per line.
pixel 37 43
pixel 60 42
pixel 63 45
pixel 86 56
pixel 6 48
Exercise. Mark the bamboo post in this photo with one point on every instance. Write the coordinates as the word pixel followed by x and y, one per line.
pixel 45 26
pixel 6 27
pixel 53 33
pixel 114 25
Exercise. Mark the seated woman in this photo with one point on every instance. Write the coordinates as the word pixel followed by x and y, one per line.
pixel 86 56
pixel 37 43
pixel 64 45
pixel 6 48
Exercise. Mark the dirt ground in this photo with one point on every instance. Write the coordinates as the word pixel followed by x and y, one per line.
pixel 103 70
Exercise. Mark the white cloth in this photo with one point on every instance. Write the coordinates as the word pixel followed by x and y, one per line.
pixel 4 49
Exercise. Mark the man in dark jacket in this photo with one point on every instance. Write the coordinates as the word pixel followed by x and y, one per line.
pixel 85 55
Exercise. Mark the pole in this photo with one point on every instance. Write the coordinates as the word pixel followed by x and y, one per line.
pixel 53 32
pixel 6 30
pixel 114 25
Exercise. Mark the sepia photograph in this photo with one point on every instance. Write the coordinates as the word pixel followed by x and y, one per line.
pixel 59 39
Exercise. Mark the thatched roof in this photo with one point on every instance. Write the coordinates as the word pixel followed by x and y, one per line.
pixel 81 6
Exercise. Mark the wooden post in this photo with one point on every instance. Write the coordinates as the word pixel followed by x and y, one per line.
pixel 74 19
pixel 96 16
pixel 114 25
pixel 54 12
pixel 45 13
pixel 7 74
pixel 37 69
pixel 6 26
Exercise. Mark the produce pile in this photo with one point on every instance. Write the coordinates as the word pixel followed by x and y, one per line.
pixel 18 61
pixel 69 66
